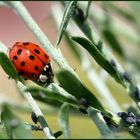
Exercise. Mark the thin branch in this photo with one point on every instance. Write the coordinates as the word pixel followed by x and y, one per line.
pixel 36 110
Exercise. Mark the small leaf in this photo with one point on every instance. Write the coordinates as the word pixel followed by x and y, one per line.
pixel 8 66
pixel 63 117
pixel 72 85
pixel 100 58
pixel 112 40
pixel 47 94
pixel 13 125
pixel 70 7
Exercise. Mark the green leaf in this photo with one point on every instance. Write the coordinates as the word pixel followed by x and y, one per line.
pixel 100 58
pixel 8 66
pixel 72 85
pixel 63 117
pixel 112 40
pixel 47 94
pixel 69 9
pixel 96 116
pixel 13 124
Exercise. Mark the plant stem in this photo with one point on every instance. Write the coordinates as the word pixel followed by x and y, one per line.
pixel 96 116
pixel 36 110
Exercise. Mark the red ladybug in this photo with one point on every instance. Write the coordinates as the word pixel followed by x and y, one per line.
pixel 32 62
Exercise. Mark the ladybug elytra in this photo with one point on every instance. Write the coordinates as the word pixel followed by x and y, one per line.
pixel 32 62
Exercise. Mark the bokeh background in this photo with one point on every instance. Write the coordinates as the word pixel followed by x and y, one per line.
pixel 13 29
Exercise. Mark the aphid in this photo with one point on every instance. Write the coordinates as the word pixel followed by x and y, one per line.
pixel 130 120
pixel 126 76
pixel 137 93
pixel 123 115
pixel 79 14
pixel 130 114
pixel 34 117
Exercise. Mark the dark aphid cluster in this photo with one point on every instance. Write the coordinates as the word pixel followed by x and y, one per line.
pixel 129 118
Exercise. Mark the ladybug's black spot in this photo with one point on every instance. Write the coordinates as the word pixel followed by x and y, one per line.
pixel 26 43
pixel 21 73
pixel 37 51
pixel 15 57
pixel 36 68
pixel 31 57
pixel 19 51
pixel 46 56
pixel 22 63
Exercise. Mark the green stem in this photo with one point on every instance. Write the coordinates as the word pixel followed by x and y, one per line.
pixel 96 116
pixel 36 110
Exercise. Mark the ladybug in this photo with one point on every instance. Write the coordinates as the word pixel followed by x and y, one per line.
pixel 31 62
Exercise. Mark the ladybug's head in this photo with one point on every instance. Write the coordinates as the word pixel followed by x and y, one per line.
pixel 46 76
